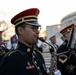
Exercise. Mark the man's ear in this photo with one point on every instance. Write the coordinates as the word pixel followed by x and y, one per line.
pixel 20 30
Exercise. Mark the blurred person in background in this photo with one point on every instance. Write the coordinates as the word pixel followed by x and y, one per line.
pixel 12 43
pixel 3 48
pixel 53 50
pixel 53 44
pixel 39 46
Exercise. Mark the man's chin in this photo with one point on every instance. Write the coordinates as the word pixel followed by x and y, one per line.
pixel 35 42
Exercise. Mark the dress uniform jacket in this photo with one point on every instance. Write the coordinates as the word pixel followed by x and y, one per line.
pixel 66 60
pixel 23 61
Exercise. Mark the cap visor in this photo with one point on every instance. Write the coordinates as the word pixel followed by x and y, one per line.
pixel 34 23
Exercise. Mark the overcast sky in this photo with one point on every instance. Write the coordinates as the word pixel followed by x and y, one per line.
pixel 51 11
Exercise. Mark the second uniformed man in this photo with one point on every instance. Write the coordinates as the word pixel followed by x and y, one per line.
pixel 66 61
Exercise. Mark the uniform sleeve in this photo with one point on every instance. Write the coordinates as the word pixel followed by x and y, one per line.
pixel 7 67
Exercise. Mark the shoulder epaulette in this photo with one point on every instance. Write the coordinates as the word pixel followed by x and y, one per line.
pixel 37 50
pixel 11 52
pixel 62 52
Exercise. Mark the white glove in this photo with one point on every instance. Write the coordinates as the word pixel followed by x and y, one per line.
pixel 57 72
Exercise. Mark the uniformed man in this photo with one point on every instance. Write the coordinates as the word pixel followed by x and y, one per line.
pixel 53 44
pixel 3 49
pixel 25 60
pixel 66 61
pixel 53 49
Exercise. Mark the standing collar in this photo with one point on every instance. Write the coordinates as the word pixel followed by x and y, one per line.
pixel 24 48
